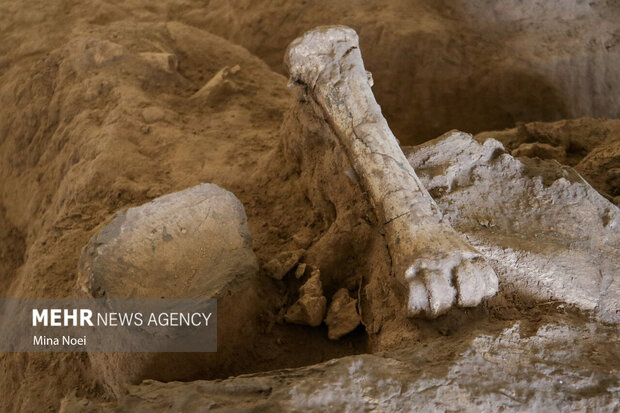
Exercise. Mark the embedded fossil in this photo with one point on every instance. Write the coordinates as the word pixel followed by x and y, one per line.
pixel 438 266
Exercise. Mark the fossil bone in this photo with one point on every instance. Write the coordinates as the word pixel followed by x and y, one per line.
pixel 438 267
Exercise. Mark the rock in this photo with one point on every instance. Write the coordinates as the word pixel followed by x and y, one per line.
pixel 540 150
pixel 313 286
pixel 285 261
pixel 167 62
pixel 189 244
pixel 553 237
pixel 309 309
pixel 342 316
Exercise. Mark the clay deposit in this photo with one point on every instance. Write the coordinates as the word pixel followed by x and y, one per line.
pixel 164 150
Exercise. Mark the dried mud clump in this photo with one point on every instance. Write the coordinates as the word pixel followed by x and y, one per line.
pixel 342 316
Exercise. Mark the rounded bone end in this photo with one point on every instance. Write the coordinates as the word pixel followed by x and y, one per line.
pixel 433 292
pixel 308 55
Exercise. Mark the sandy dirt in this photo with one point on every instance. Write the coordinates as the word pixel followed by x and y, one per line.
pixel 104 108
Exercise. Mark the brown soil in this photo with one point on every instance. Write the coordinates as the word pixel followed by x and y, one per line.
pixel 94 128
pixel 90 126
pixel 470 65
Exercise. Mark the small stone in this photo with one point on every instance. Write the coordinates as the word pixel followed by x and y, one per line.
pixel 310 308
pixel 342 317
pixel 313 286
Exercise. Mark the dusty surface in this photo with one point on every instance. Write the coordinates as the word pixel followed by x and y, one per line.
pixel 515 367
pixel 591 146
pixel 93 128
pixel 110 105
pixel 342 316
pixel 532 347
pixel 471 65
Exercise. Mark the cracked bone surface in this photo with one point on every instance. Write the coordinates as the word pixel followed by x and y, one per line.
pixel 437 266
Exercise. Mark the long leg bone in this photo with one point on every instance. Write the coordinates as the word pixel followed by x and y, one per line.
pixel 439 267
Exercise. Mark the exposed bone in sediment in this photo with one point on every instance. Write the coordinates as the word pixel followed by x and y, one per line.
pixel 439 268
pixel 220 86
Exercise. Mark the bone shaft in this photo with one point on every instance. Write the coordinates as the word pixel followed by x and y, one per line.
pixel 426 253
pixel 371 147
